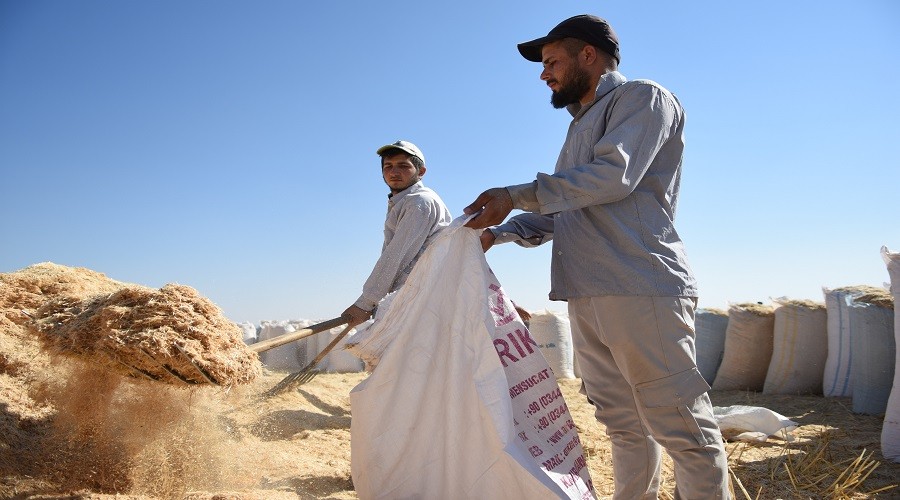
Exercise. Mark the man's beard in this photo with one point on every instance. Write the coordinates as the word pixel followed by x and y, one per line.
pixel 577 84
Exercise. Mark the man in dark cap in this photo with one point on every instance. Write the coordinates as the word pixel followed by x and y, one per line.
pixel 609 208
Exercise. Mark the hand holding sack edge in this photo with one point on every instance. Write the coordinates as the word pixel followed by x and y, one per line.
pixel 494 205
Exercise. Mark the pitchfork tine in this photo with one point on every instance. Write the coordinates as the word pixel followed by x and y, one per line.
pixel 167 368
pixel 135 371
pixel 308 376
pixel 206 375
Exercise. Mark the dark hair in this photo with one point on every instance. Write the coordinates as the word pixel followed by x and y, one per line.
pixel 415 160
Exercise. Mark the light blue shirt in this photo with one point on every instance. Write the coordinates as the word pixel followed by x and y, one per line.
pixel 609 206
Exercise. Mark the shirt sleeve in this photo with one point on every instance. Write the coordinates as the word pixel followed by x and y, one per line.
pixel 526 230
pixel 414 224
pixel 641 121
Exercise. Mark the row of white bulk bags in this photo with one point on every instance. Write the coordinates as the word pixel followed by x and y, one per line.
pixel 553 333
pixel 338 360
pixel 748 348
pixel 890 431
pixel 294 356
pixel 799 348
pixel 290 357
pixel 551 330
pixel 710 325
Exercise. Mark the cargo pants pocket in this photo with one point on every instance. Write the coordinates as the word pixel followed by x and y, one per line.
pixel 678 415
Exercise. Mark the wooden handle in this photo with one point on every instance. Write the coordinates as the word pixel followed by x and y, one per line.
pixel 328 349
pixel 299 334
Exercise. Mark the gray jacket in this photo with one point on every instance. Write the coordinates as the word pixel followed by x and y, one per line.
pixel 609 206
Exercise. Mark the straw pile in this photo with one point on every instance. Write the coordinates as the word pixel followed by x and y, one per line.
pixel 801 303
pixel 756 308
pixel 866 294
pixel 171 335
pixel 67 426
pixel 876 297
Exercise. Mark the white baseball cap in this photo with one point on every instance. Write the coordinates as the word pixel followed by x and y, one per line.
pixel 405 146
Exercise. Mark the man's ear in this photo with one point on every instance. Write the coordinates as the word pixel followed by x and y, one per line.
pixel 422 171
pixel 589 53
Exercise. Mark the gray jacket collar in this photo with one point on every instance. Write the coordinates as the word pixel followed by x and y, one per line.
pixel 607 83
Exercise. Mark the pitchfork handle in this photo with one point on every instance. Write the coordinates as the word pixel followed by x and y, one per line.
pixel 299 334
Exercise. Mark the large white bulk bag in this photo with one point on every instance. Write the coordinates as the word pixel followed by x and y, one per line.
pixel 710 325
pixel 836 377
pixel 748 348
pixel 281 358
pixel 251 335
pixel 873 353
pixel 553 333
pixel 799 349
pixel 890 431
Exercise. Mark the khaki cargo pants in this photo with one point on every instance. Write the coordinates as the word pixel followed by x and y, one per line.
pixel 637 361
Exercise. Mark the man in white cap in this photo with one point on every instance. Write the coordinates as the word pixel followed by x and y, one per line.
pixel 609 209
pixel 413 217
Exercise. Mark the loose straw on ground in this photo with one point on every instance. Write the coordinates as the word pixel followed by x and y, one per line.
pixel 810 471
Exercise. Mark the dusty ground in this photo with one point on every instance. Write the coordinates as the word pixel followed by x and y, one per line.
pixel 71 429
pixel 209 444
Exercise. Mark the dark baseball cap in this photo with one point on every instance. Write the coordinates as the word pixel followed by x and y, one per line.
pixel 587 28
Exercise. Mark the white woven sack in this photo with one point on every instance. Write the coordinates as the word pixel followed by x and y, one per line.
pixel 890 431
pixel 553 333
pixel 836 377
pixel 873 356
pixel 710 326
pixel 748 349
pixel 799 349
pixel 461 402
pixel 752 423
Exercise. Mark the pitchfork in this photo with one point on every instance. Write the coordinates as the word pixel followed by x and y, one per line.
pixel 309 371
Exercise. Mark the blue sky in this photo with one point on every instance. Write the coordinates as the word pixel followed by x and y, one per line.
pixel 230 146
